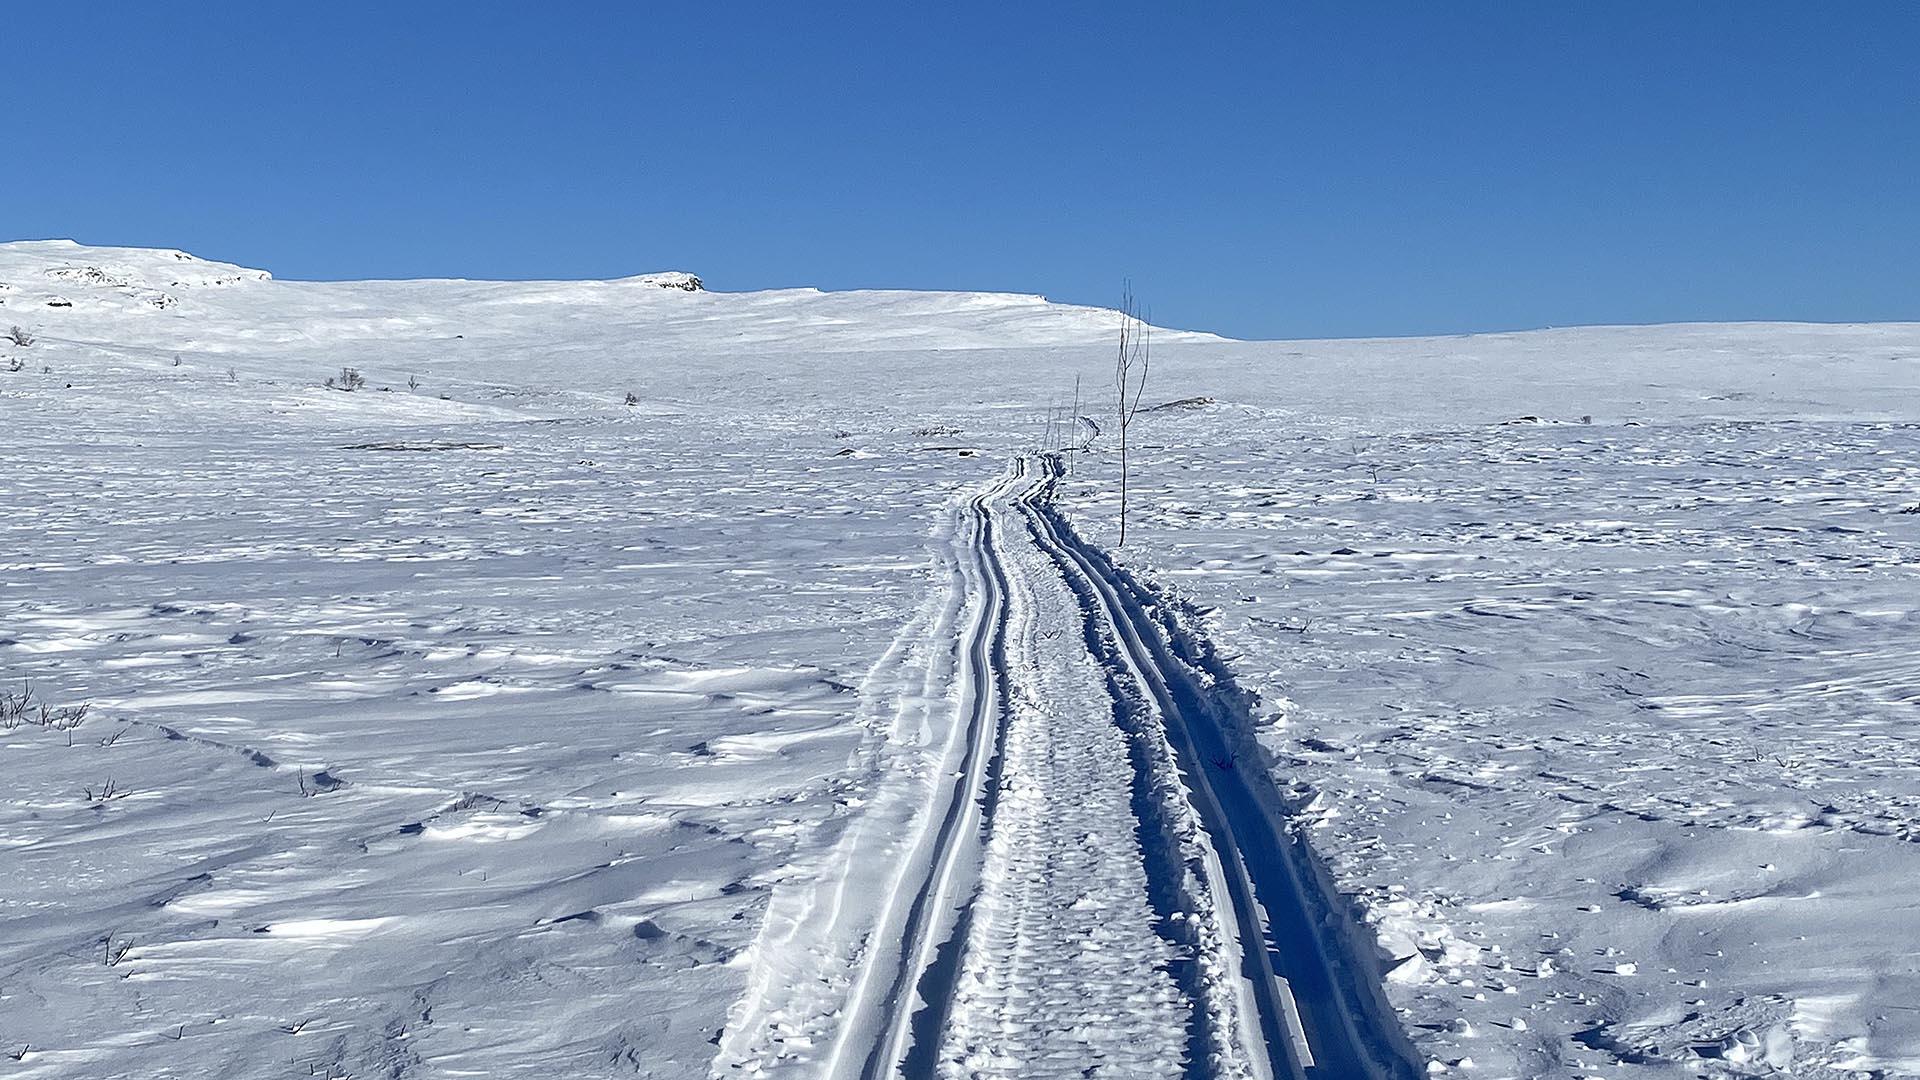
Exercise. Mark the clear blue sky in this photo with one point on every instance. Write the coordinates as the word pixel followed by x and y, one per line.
pixel 1265 170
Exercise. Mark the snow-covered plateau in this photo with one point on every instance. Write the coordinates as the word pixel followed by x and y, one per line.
pixel 622 678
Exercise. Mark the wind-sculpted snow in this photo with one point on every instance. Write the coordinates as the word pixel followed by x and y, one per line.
pixel 1608 730
pixel 416 749
pixel 568 699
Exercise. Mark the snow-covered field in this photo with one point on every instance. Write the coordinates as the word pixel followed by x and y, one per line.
pixel 492 725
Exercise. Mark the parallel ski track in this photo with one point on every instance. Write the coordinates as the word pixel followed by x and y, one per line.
pixel 1317 1014
pixel 935 920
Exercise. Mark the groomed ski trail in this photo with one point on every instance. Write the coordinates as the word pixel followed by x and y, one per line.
pixel 1093 887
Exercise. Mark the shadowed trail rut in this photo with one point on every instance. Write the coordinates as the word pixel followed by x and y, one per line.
pixel 1106 885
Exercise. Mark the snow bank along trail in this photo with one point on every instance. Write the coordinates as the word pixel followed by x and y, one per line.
pixel 1094 888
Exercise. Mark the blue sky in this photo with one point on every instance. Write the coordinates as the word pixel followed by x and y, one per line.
pixel 1265 170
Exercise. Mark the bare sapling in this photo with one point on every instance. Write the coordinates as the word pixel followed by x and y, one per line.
pixel 1074 444
pixel 26 708
pixel 1130 382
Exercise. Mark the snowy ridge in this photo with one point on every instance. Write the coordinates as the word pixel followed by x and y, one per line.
pixel 115 267
pixel 62 289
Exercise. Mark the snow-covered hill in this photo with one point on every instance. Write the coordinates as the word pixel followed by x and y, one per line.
pixel 66 290
pixel 474 721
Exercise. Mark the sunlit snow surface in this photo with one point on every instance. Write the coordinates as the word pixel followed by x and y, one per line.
pixel 467 729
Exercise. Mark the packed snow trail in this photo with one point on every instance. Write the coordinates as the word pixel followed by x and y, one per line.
pixel 1062 968
pixel 1096 890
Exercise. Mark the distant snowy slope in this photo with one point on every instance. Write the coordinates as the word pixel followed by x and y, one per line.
pixel 65 289
pixel 66 261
